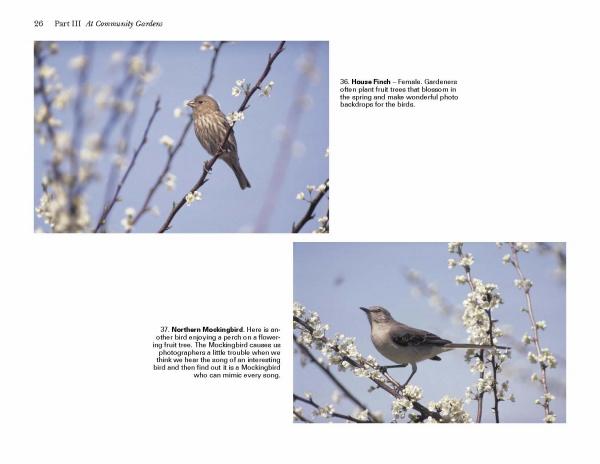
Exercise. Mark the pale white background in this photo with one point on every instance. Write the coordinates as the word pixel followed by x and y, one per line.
pixel 515 159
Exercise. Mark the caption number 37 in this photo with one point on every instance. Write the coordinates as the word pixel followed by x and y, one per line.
pixel 38 23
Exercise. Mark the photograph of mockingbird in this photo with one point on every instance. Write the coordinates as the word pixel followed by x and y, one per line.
pixel 406 345
pixel 492 314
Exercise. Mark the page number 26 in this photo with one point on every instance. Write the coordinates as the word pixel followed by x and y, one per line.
pixel 38 23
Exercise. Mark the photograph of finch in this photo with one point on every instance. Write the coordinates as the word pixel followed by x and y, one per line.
pixel 172 137
pixel 430 332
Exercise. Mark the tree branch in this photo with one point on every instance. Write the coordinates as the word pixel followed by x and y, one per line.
pixel 334 379
pixel 171 152
pixel 394 388
pixel 514 259
pixel 302 418
pixel 115 197
pixel 42 90
pixel 310 212
pixel 481 353
pixel 333 414
pixel 125 136
pixel 121 88
pixel 209 164
pixel 494 366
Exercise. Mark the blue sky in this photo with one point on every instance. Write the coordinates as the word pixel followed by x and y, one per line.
pixel 183 71
pixel 334 279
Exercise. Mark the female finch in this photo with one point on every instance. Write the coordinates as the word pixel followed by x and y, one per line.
pixel 211 125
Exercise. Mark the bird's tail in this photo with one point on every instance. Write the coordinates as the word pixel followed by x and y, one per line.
pixel 235 166
pixel 476 347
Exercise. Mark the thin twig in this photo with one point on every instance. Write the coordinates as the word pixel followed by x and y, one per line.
pixel 333 414
pixel 213 63
pixel 494 366
pixel 115 197
pixel 172 151
pixel 209 164
pixel 481 353
pixel 126 130
pixel 310 212
pixel 302 418
pixel 42 90
pixel 514 259
pixel 335 380
pixel 115 112
pixel 79 122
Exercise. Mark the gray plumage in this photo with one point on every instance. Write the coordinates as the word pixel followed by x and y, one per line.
pixel 407 345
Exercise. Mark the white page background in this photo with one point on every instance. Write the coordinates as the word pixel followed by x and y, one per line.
pixel 516 158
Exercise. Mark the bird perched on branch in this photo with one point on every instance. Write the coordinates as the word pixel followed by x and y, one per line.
pixel 406 345
pixel 211 125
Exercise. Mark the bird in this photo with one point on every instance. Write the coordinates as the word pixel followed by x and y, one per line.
pixel 211 125
pixel 406 345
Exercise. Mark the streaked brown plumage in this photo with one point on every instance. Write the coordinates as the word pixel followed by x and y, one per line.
pixel 210 125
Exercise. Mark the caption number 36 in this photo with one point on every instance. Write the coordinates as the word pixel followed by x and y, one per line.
pixel 38 23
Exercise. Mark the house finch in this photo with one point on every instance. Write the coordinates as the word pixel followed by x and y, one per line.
pixel 211 125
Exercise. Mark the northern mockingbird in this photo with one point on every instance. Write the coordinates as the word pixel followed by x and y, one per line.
pixel 406 345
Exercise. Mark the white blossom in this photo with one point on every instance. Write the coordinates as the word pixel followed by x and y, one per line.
pixel 127 221
pixel 235 117
pixel 47 72
pixel 137 65
pixel 461 279
pixel 266 91
pixel 167 141
pixel 63 98
pixel 191 197
pixel 170 179
pixel 524 284
pixel 298 309
pixel 451 409
pixel 361 415
pixel 325 411
pixel 78 62
pixel 117 57
pixel 454 247
pixel 466 260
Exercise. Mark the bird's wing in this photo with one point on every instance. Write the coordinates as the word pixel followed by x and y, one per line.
pixel 231 144
pixel 409 336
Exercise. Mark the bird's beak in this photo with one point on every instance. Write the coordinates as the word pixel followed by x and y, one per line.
pixel 366 310
pixel 190 103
